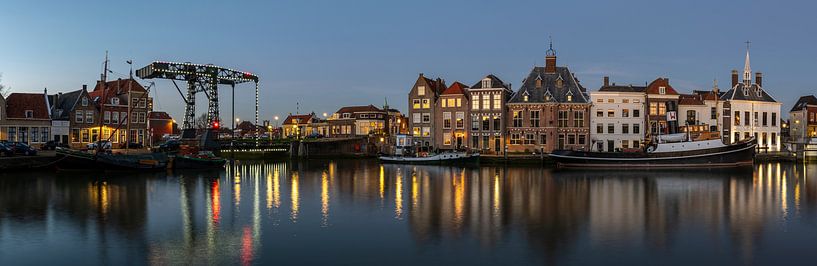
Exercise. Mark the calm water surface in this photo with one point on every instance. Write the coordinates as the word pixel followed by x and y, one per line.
pixel 362 212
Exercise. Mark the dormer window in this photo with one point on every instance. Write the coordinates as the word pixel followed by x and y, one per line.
pixel 569 96
pixel 759 94
pixel 525 97
pixel 662 90
pixel 84 101
pixel 29 113
pixel 486 83
pixel 745 92
pixel 347 115
pixel 421 90
pixel 538 82
pixel 559 82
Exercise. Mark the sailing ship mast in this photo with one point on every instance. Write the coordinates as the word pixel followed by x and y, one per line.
pixel 102 103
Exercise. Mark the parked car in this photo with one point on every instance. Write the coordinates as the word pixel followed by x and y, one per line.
pixel 106 145
pixel 22 148
pixel 170 145
pixel 5 149
pixel 52 145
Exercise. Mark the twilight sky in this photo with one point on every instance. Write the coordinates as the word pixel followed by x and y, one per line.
pixel 327 54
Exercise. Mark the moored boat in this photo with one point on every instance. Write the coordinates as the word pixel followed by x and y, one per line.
pixel 204 160
pixel 441 158
pixel 711 153
pixel 68 159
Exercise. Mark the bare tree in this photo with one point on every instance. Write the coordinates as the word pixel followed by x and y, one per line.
pixel 4 91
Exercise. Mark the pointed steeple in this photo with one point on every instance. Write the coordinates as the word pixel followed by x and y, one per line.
pixel 550 59
pixel 747 70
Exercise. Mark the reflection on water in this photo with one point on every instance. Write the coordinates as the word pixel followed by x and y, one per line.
pixel 362 212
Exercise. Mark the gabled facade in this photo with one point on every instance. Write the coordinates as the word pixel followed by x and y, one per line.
pixel 451 112
pixel 700 111
pixel 754 113
pixel 358 121
pixel 26 118
pixel 303 125
pixel 803 119
pixel 113 100
pixel 617 117
pixel 160 125
pixel 662 108
pixel 549 111
pixel 422 102
pixel 487 114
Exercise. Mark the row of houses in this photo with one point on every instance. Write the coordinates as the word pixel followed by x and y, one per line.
pixel 347 122
pixel 552 110
pixel 80 117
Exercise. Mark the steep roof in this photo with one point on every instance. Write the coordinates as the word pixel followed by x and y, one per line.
pixel 115 88
pixel 495 83
pixel 300 118
pixel 159 115
pixel 690 99
pixel 456 88
pixel 63 103
pixel 750 92
pixel 355 109
pixel 18 103
pixel 549 91
pixel 803 102
pixel 655 86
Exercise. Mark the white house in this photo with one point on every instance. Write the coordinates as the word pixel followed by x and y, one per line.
pixel 617 117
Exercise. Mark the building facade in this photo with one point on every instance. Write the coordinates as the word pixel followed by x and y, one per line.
pixel 299 126
pixel 803 120
pixel 700 111
pixel 112 101
pixel 662 108
pixel 449 120
pixel 160 126
pixel 358 121
pixel 487 114
pixel 754 113
pixel 422 102
pixel 26 118
pixel 617 117
pixel 549 111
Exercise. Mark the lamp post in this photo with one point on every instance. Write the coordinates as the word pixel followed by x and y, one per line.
pixel 269 133
pixel 276 121
pixel 237 121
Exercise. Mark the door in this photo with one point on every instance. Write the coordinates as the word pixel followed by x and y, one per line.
pixel 610 145
pixel 497 144
pixel 459 142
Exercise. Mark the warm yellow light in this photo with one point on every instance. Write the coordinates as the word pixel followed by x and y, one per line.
pixel 381 139
pixel 276 117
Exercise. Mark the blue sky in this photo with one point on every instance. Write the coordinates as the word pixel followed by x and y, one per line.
pixel 326 54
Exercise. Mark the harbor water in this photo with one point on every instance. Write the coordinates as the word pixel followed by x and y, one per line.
pixel 362 212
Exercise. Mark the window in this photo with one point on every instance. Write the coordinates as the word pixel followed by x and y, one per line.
pixel 84 101
pixel 737 118
pixel 75 135
pixel 486 124
pixel 625 100
pixel 446 119
pixel 611 101
pixel 636 129
pixel 625 144
pixel 115 118
pixel 765 119
pixel 497 101
pixel 79 116
pixel 475 143
pixel 426 104
pixel 543 139
pixel 517 118
pixel 578 119
pixel 635 144
pixel 600 100
pixel 29 113
pixel 475 123
pixel 582 139
pixel 562 119
pixel 415 104
pixel 426 131
pixel 662 108
pixel 12 133
pixel 561 143
pixel 426 118
pixel 625 112
pixel 124 117
pixel 713 113
pixel 444 102
pixel 611 113
pixel 421 90
pixel 600 128
pixel 636 101
pixel 106 118
pixel 415 118
pixel 416 131
pixel 89 117
pixel 143 103
pixel 459 102
pixel 756 119
pixel 486 83
pixel 611 128
pixel 534 118
pixel 774 137
pixel 85 136
pixel 737 136
pixel 475 102
pixel 515 139
pixel 486 101
pixel 460 119
pixel 653 108
pixel 497 123
pixel 746 121
pixel 692 117
pixel 446 138
pixel 569 98
pixel 529 139
pixel 35 134
pixel 774 121
pixel 636 113
pixel 625 128
pixel 571 139
pixel 662 90
pixel 599 113
pixel 764 139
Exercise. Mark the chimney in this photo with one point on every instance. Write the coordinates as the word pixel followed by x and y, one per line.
pixel 84 87
pixel 606 81
pixel 759 79
pixel 550 63
pixel 734 77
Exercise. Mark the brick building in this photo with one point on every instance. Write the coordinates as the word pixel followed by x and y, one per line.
pixel 487 114
pixel 449 121
pixel 25 117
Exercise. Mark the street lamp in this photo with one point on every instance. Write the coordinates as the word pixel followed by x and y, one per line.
pixel 269 128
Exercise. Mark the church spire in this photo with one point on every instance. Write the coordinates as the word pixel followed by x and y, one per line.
pixel 747 70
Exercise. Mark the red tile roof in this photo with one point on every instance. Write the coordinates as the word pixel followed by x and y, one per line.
pixel 18 103
pixel 355 109
pixel 302 119
pixel 654 86
pixel 456 88
pixel 115 88
pixel 687 99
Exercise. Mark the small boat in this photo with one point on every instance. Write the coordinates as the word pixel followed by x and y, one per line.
pixel 441 158
pixel 709 153
pixel 68 159
pixel 204 160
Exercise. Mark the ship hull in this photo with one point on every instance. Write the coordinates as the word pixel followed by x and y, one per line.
pixel 69 160
pixel 737 155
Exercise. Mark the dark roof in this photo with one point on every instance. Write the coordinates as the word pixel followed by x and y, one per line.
pixel 63 103
pixel 707 95
pixel 751 92
pixel 495 83
pixel 570 86
pixel 690 99
pixel 355 109
pixel 625 88
pixel 115 88
pixel 803 102
pixel 456 88
pixel 18 103
pixel 159 115
pixel 300 118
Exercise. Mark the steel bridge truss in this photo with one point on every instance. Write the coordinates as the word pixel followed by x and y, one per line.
pixel 199 78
